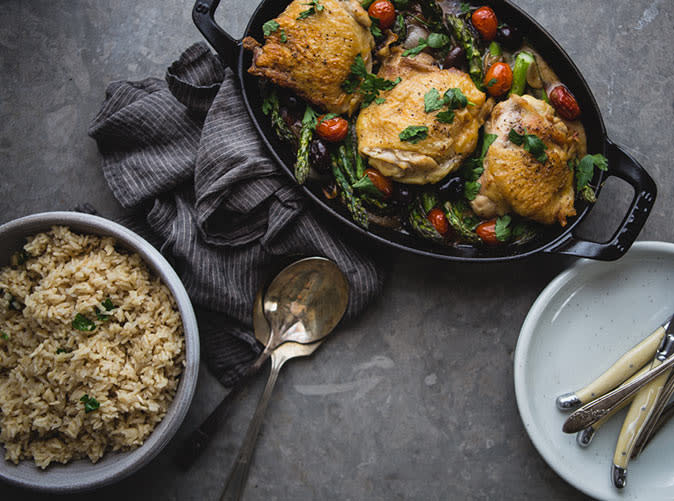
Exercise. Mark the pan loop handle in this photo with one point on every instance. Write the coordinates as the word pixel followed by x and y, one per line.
pixel 622 166
pixel 203 15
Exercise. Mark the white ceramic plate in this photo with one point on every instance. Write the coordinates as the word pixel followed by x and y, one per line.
pixel 583 321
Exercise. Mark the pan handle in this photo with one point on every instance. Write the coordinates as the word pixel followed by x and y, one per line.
pixel 203 15
pixel 623 166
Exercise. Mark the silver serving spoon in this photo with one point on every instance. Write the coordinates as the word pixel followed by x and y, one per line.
pixel 303 304
pixel 308 298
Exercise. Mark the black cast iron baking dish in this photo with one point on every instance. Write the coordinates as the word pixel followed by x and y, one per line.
pixel 555 240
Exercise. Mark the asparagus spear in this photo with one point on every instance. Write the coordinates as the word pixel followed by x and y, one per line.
pixel 461 225
pixel 302 164
pixel 418 217
pixel 350 199
pixel 272 108
pixel 522 63
pixel 345 161
pixel 467 40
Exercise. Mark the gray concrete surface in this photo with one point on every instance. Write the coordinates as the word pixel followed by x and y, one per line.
pixel 414 400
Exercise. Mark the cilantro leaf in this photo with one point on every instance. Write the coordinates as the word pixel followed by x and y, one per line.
pixel 284 37
pixel 585 169
pixel 366 186
pixel 445 117
pixel 423 43
pixel 368 84
pixel 4 335
pixel 82 323
pixel 465 8
pixel 315 6
pixel 531 143
pixel 492 82
pixel 471 189
pixel 103 317
pixel 63 350
pixel 503 230
pixel 375 29
pixel 270 27
pixel 90 403
pixel 108 305
pixel 414 134
pixel 432 101
pixel 486 143
pixel 456 99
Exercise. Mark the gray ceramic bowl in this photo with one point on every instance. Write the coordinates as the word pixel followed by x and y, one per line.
pixel 83 475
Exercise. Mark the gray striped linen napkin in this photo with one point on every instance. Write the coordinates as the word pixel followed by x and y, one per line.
pixel 184 158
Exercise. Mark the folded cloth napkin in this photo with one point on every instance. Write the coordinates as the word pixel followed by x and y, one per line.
pixel 185 158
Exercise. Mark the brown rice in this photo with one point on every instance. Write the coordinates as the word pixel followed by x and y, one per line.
pixel 129 364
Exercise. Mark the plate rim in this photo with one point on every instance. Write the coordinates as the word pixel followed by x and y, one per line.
pixel 526 335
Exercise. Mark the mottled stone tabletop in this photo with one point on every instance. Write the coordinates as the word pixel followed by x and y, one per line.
pixel 415 399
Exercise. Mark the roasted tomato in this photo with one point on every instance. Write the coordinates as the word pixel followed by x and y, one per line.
pixel 381 182
pixel 485 22
pixel 439 221
pixel 384 12
pixel 499 79
pixel 332 130
pixel 487 232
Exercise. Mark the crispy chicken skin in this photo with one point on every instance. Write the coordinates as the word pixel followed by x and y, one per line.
pixel 318 53
pixel 379 125
pixel 513 180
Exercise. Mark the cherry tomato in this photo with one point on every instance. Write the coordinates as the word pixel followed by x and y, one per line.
pixel 499 79
pixel 487 232
pixel 485 22
pixel 381 182
pixel 439 221
pixel 332 130
pixel 384 11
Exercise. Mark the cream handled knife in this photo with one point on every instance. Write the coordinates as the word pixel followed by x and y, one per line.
pixel 620 371
pixel 640 411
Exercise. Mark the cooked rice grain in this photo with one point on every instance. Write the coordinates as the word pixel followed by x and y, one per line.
pixel 130 363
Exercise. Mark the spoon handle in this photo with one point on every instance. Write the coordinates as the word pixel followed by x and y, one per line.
pixel 236 482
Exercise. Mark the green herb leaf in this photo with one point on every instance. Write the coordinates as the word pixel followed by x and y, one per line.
pixel 414 134
pixel 585 170
pixel 486 143
pixel 456 99
pixel 438 40
pixel 327 116
pixel 82 323
pixel 375 29
pixel 284 37
pixel 4 335
pixel 465 8
pixel 270 27
pixel 315 6
pixel 366 186
pixel 63 350
pixel 90 403
pixel 503 230
pixel 531 143
pixel 379 100
pixel 432 101
pixel 309 119
pixel 423 43
pixel 368 84
pixel 108 305
pixel 492 82
pixel 445 117
pixel 103 317
pixel 471 189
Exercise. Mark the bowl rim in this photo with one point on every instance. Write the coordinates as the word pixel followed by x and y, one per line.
pixel 130 461
pixel 526 336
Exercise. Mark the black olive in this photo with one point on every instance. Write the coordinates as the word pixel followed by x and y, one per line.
pixel 455 58
pixel 509 37
pixel 451 188
pixel 319 156
pixel 403 193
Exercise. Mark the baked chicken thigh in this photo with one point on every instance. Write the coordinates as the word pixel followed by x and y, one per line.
pixel 310 49
pixel 513 179
pixel 446 145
